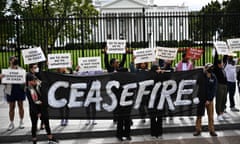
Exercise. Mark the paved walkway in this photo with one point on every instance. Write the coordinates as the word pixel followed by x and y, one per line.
pixel 105 128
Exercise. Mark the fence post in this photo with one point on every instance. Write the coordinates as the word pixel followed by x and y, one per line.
pixel 82 35
pixel 18 40
pixel 203 37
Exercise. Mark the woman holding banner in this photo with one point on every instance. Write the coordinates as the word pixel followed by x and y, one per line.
pixel 15 92
pixel 37 108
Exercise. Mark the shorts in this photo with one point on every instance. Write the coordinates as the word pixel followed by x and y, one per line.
pixel 17 94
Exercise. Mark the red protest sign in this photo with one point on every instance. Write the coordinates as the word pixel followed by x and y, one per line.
pixel 194 53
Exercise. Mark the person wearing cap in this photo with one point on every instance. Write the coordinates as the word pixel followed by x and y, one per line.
pixel 231 74
pixel 15 93
pixel 37 108
pixel 206 101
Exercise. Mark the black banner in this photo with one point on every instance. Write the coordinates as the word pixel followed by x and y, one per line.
pixel 123 93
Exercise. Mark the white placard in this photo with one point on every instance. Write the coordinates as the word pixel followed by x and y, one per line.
pixel 144 55
pixel 59 61
pixel 116 46
pixel 234 44
pixel 14 76
pixel 221 47
pixel 166 53
pixel 89 64
pixel 33 55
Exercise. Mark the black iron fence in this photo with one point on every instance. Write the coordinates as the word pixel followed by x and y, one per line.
pixel 84 37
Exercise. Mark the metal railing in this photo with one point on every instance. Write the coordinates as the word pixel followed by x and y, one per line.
pixel 86 36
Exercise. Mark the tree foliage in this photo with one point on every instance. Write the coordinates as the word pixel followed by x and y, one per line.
pixel 231 26
pixel 44 22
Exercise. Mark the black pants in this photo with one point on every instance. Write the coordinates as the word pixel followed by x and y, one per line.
pixel 91 112
pixel 123 126
pixel 34 120
pixel 156 126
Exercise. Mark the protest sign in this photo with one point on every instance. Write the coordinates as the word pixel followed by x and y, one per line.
pixel 116 46
pixel 221 47
pixel 144 55
pixel 90 64
pixel 33 55
pixel 14 76
pixel 166 53
pixel 234 44
pixel 194 53
pixel 59 61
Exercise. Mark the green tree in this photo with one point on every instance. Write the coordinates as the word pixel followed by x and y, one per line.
pixel 6 24
pixel 44 22
pixel 231 27
pixel 209 21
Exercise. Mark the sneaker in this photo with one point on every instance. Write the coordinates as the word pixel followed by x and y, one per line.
pixel 213 133
pixel 21 125
pixel 93 122
pixel 234 109
pixel 220 118
pixel 88 123
pixel 52 141
pixel 10 127
pixel 42 126
pixel 197 133
pixel 129 138
pixel 225 116
pixel 62 122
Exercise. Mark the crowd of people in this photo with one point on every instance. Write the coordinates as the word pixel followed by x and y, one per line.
pixel 220 77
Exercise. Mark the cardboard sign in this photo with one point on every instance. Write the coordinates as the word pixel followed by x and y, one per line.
pixel 194 53
pixel 116 46
pixel 59 61
pixel 14 76
pixel 90 64
pixel 234 44
pixel 166 53
pixel 221 47
pixel 33 55
pixel 144 55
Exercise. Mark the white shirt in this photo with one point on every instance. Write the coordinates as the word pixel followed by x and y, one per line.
pixel 231 72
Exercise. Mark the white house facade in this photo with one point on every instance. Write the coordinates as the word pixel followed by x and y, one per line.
pixel 140 20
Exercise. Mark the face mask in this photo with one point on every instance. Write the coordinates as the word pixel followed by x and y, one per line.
pixel 15 62
pixel 36 70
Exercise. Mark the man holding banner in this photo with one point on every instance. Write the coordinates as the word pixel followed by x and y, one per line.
pixel 207 102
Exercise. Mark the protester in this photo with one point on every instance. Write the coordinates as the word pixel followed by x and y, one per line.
pixel 156 125
pixel 141 68
pixel 15 93
pixel 206 101
pixel 91 109
pixel 221 96
pixel 231 73
pixel 123 120
pixel 114 65
pixel 64 111
pixel 34 70
pixel 37 108
pixel 185 64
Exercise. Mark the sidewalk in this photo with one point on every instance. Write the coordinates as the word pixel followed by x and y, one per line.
pixel 104 128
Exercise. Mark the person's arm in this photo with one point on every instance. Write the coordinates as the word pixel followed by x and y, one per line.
pixel 215 59
pixel 106 62
pixel 123 60
pixel 132 67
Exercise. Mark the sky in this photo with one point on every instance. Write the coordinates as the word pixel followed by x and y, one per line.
pixel 192 4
